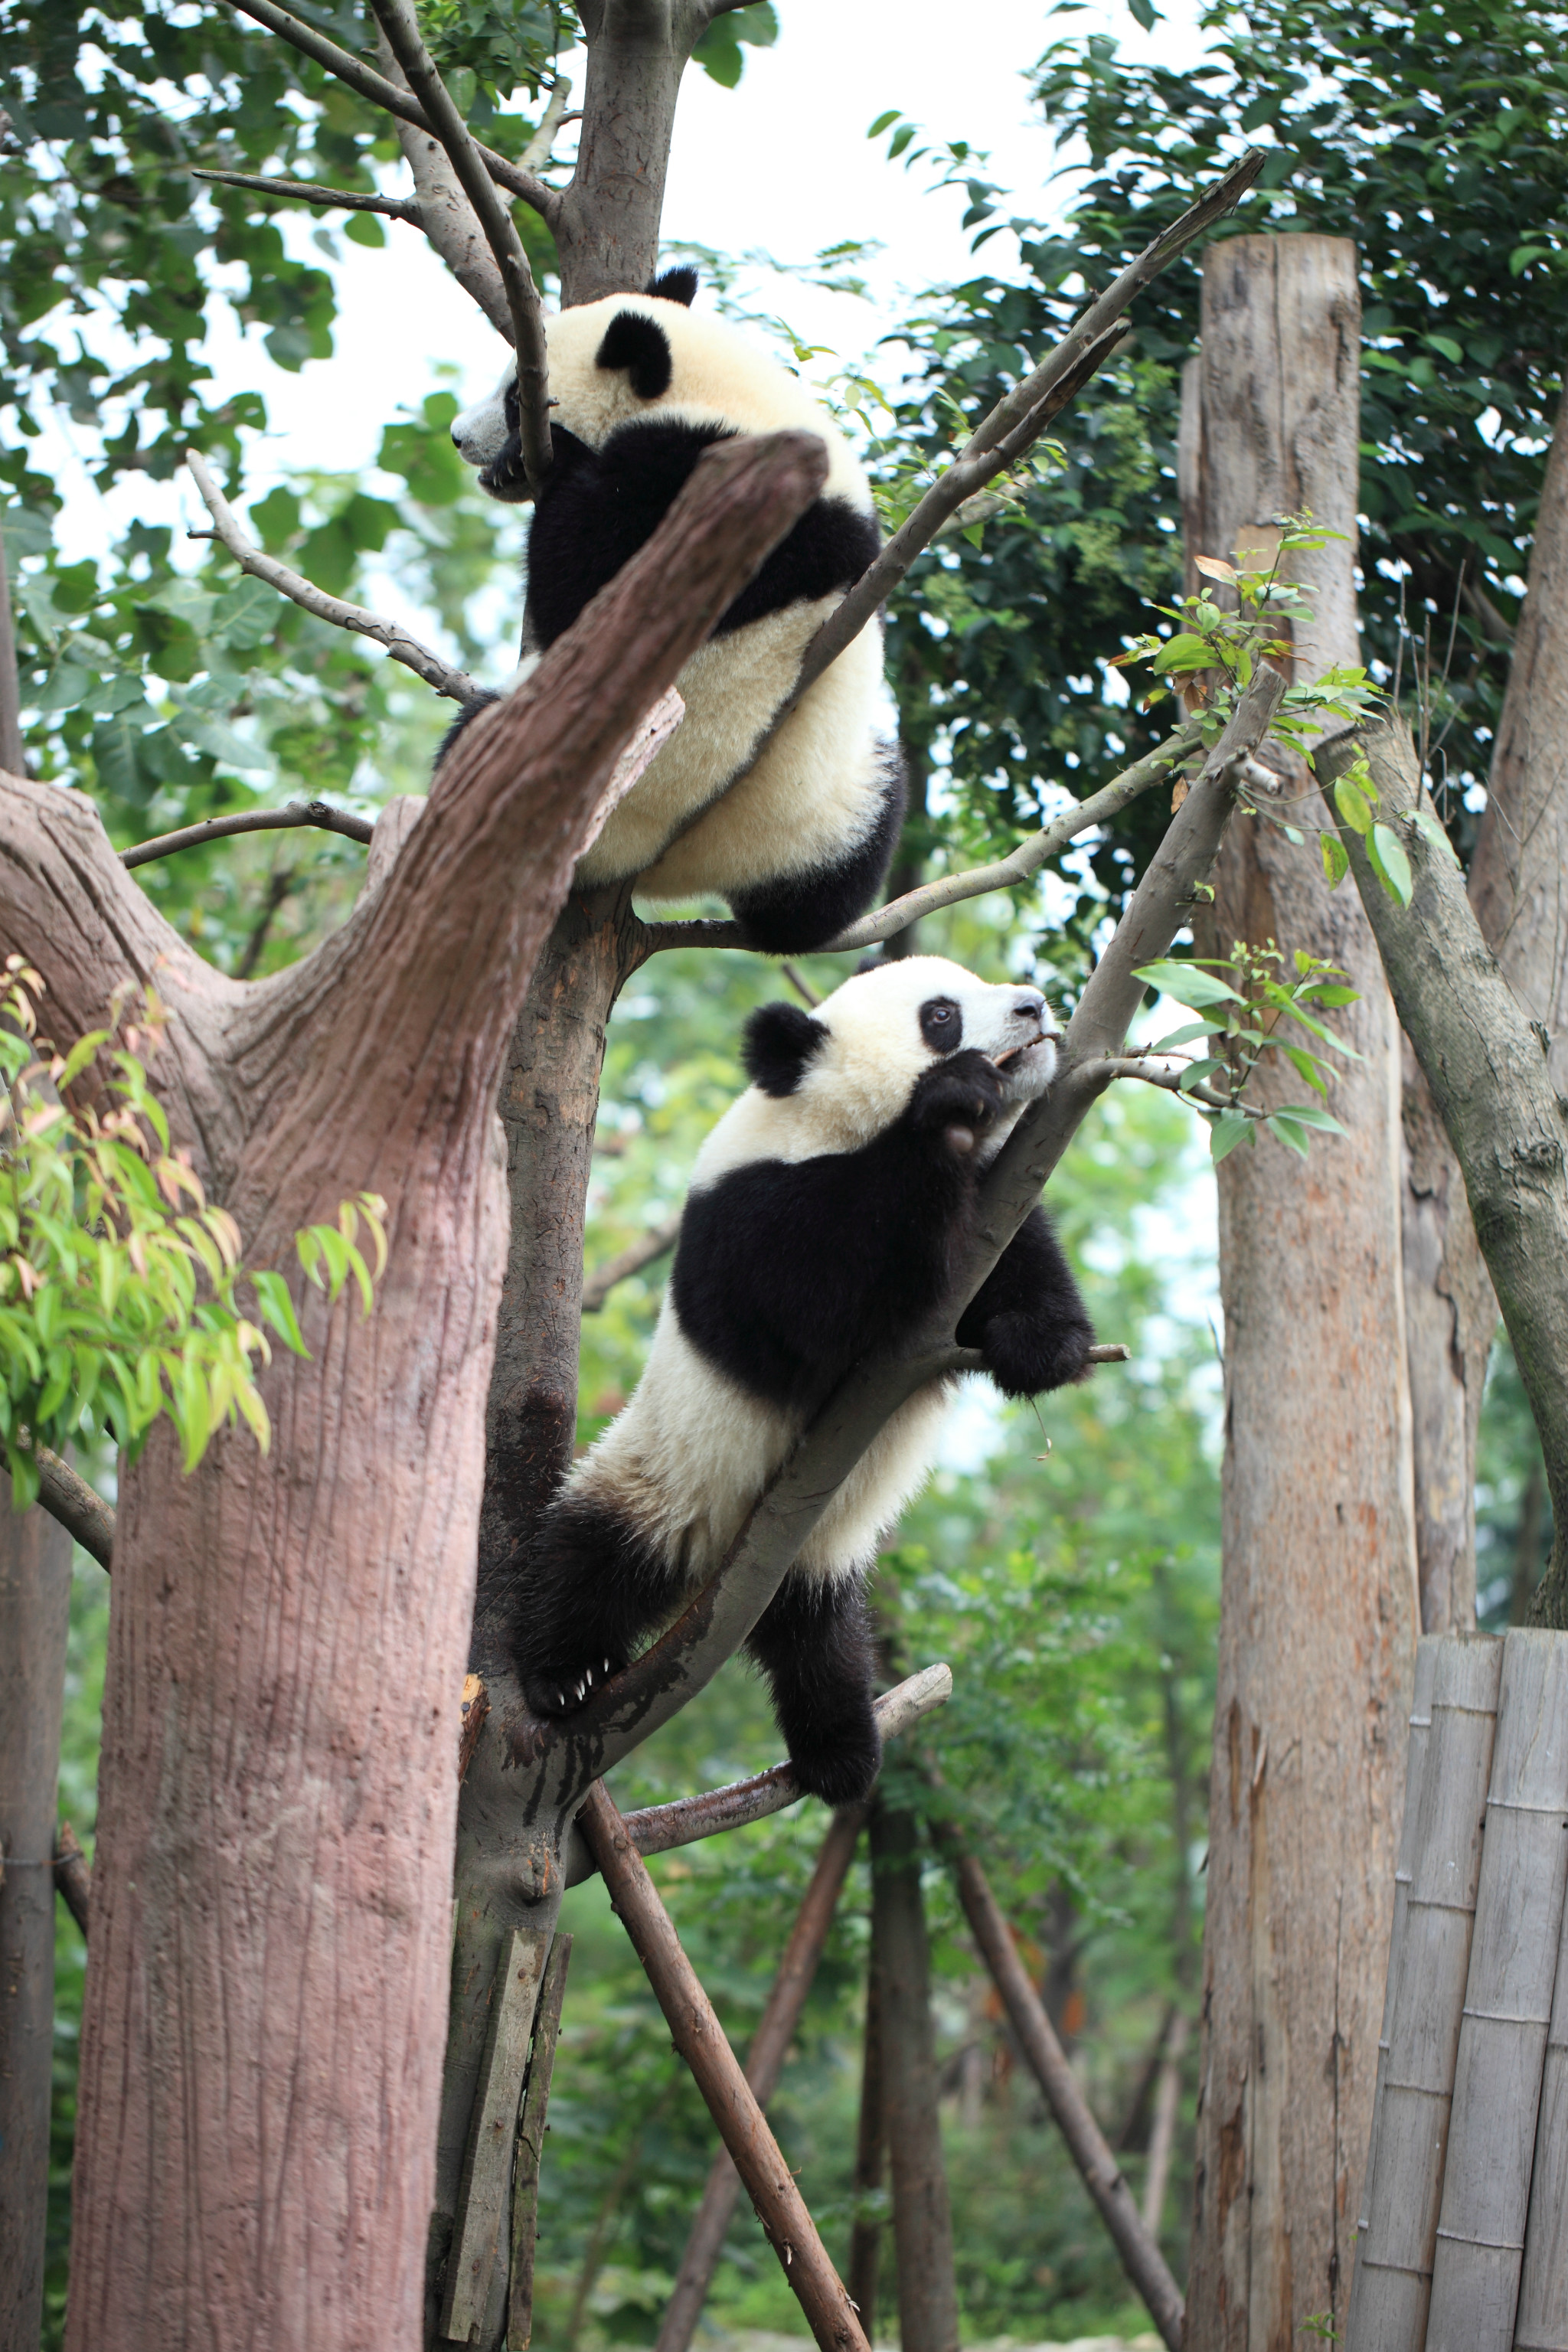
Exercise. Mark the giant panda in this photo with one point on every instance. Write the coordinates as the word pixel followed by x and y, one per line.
pixel 825 1212
pixel 800 840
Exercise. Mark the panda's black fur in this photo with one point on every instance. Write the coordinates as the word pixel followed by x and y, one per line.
pixel 602 501
pixel 793 1263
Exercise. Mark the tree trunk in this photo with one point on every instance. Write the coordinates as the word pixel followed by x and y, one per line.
pixel 1320 1605
pixel 922 2223
pixel 272 1912
pixel 35 1611
pixel 606 232
pixel 862 2271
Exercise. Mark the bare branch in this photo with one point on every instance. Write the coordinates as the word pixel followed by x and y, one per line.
pixel 536 154
pixel 68 1497
pixel 456 684
pixel 73 1874
pixel 296 816
pixel 597 1286
pixel 310 192
pixel 546 202
pixel 451 225
pixel 1003 874
pixel 398 22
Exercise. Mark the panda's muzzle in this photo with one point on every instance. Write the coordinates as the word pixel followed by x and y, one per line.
pixel 506 475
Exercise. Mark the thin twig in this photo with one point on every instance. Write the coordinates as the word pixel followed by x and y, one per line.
pixel 536 154
pixel 310 192
pixel 398 22
pixel 456 684
pixel 296 817
pixel 1008 873
pixel 702 2041
pixel 597 1286
pixel 73 1875
pixel 545 200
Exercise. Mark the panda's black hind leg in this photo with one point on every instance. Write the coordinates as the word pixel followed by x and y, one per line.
pixel 813 1642
pixel 801 911
pixel 590 1588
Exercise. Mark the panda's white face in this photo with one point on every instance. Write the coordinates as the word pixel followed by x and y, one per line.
pixel 867 1045
pixel 635 355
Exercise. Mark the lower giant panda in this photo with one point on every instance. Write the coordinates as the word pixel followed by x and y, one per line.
pixel 825 1212
pixel 799 840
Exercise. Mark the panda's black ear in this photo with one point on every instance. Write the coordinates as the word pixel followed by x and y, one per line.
pixel 779 1042
pixel 635 341
pixel 674 286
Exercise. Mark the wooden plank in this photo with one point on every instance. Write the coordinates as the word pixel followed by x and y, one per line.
pixel 531 2146
pixel 1541 2323
pixel 1426 1650
pixel 486 2166
pixel 1391 2287
pixel 1508 2005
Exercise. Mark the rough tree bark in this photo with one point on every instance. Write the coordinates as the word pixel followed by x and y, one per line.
pixel 1319 1608
pixel 286 1635
pixel 923 2220
pixel 607 229
pixel 35 1611
pixel 1492 1084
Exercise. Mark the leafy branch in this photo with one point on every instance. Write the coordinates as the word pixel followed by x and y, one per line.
pixel 1241 999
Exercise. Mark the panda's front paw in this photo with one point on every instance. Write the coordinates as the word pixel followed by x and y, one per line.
pixel 555 1694
pixel 1026 1356
pixel 841 1769
pixel 957 1101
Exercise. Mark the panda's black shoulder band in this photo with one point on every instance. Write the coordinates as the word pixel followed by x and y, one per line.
pixel 779 1042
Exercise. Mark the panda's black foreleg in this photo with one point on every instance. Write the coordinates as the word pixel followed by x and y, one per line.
pixel 814 1641
pixel 591 1587
pixel 1027 1317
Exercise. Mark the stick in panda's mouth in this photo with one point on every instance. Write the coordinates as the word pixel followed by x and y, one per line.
pixel 1001 1061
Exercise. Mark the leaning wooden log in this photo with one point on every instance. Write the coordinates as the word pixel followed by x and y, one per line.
pixel 922 2215
pixel 531 2133
pixel 870 2154
pixel 764 2065
pixel 1391 2291
pixel 1508 2005
pixel 700 2038
pixel 1102 2177
pixel 482 2197
pixel 73 1875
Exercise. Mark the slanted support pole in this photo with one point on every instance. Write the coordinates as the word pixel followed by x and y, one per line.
pixel 923 2220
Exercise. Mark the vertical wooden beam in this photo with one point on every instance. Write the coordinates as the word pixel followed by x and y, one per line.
pixel 531 2146
pixel 870 2154
pixel 482 2199
pixel 923 2221
pixel 1318 1612
pixel 1391 2287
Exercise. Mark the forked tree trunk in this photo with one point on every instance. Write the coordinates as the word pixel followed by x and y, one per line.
pixel 1319 1609
pixel 34 1612
pixel 272 1914
pixel 922 2222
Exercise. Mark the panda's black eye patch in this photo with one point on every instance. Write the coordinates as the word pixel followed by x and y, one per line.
pixel 941 1024
pixel 640 345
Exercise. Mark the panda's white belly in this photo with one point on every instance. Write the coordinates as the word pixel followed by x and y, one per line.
pixel 691 1453
pixel 813 795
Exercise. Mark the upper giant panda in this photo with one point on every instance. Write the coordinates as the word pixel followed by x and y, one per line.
pixel 825 1212
pixel 640 387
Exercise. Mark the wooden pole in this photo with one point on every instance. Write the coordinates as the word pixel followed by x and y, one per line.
pixel 1541 2323
pixel 35 1611
pixel 764 2065
pixel 923 2221
pixel 1162 2135
pixel 1102 2176
pixel 700 2038
pixel 1508 2005
pixel 870 2149
pixel 531 2146
pixel 1319 1606
pixel 1390 2292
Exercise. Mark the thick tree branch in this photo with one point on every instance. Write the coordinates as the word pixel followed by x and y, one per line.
pixel 68 1497
pixel 1485 1064
pixel 310 192
pixel 456 684
pixel 401 27
pixel 383 94
pixel 1020 864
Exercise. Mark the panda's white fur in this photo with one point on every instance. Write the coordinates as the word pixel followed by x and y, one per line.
pixel 706 818
pixel 848 1167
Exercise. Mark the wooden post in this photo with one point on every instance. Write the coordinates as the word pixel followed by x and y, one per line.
pixel 35 1611
pixel 922 2222
pixel 764 2065
pixel 1393 2279
pixel 482 2199
pixel 1318 1612
pixel 700 2038
pixel 1541 2323
pixel 870 2150
pixel 1508 2006
pixel 531 2146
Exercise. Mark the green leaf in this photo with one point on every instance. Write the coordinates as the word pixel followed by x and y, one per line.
pixel 1429 826
pixel 1336 858
pixel 1311 1115
pixel 883 123
pixel 1288 1131
pixel 220 741
pixel 1389 863
pixel 1353 805
pixel 1226 1132
pixel 1142 13
pixel 1184 653
pixel 1188 984
pixel 1304 1065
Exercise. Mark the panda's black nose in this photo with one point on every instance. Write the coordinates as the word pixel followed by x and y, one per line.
pixel 1030 1005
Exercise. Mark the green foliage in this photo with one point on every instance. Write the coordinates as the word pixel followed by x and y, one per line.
pixel 719 52
pixel 1241 999
pixel 106 1322
pixel 486 49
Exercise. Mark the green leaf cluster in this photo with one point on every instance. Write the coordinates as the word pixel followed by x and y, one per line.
pixel 119 1304
pixel 1241 999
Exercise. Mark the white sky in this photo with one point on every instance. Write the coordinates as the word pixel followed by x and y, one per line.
pixel 782 163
